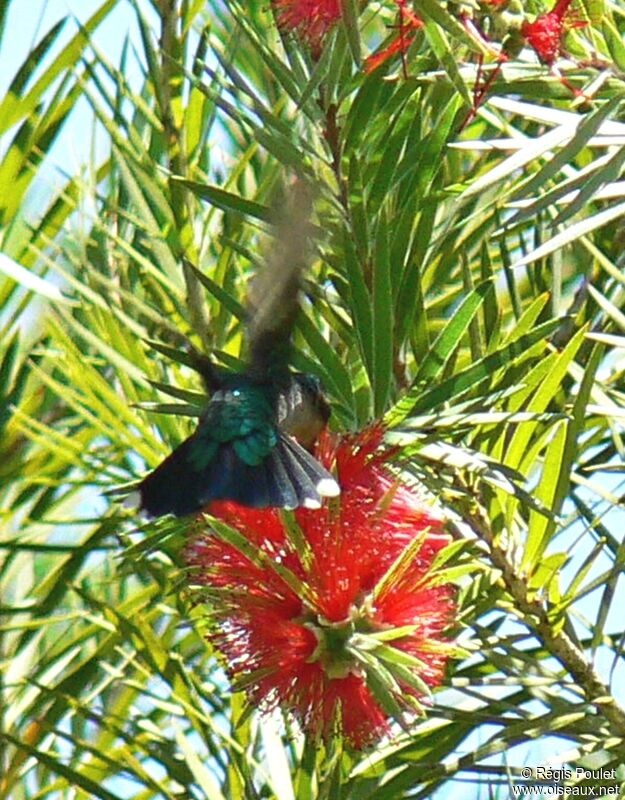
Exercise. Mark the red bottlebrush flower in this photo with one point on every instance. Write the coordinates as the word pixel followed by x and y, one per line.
pixel 546 33
pixel 409 23
pixel 312 19
pixel 332 614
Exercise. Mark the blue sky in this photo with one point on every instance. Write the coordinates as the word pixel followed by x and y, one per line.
pixel 30 19
pixel 27 22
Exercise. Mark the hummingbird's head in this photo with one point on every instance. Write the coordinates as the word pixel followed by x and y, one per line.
pixel 312 388
pixel 303 410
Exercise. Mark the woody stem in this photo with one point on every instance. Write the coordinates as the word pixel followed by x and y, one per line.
pixel 554 638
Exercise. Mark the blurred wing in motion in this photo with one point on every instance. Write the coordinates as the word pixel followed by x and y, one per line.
pixel 273 300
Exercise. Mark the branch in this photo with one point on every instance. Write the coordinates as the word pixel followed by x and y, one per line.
pixel 572 658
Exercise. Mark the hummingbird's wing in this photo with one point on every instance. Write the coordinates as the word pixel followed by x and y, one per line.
pixel 289 477
pixel 273 298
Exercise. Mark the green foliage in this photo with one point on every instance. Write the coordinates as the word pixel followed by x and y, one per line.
pixel 467 288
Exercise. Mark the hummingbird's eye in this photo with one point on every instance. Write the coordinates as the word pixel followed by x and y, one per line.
pixel 311 382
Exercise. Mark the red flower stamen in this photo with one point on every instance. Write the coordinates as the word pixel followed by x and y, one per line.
pixel 312 19
pixel 299 622
pixel 409 24
pixel 546 33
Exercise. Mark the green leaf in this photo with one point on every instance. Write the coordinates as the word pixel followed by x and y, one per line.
pixel 226 201
pixel 546 492
pixel 383 322
pixel 418 400
pixel 549 383
pixel 445 53
pixel 56 766
pixel 450 336
pixel 532 150
pixel 15 105
pixel 430 10
pixel 588 127
pixel 30 280
pixel 573 233
pixel 360 303
pixel 349 15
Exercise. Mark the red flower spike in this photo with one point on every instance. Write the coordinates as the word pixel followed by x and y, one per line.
pixel 363 573
pixel 546 33
pixel 409 24
pixel 312 19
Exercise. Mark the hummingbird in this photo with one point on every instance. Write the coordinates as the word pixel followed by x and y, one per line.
pixel 254 438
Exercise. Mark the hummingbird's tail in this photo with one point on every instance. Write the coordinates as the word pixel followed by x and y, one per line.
pixel 288 477
pixel 295 478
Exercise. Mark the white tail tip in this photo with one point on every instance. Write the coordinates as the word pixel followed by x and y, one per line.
pixel 328 487
pixel 310 502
